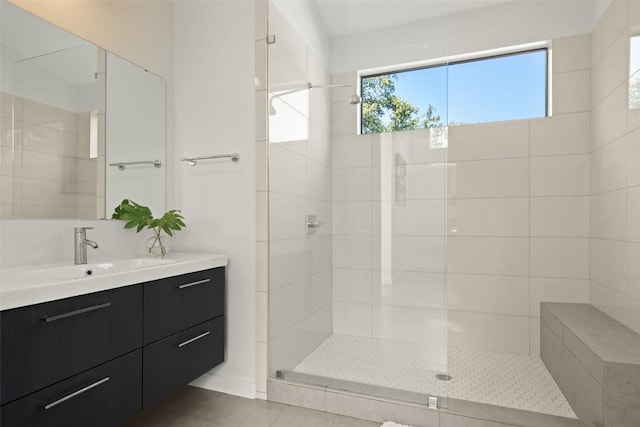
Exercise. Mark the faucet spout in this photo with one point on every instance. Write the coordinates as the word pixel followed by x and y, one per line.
pixel 80 244
pixel 91 243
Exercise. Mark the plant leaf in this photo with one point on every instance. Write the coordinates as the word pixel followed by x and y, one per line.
pixel 140 217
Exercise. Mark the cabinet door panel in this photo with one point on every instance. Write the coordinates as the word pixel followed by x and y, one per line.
pixel 173 362
pixel 46 343
pixel 104 396
pixel 176 303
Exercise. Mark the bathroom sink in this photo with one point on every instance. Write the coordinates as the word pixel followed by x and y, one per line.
pixel 73 272
pixel 29 285
pixel 52 274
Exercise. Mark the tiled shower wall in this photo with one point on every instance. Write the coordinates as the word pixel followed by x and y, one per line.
pixel 45 168
pixel 505 209
pixel 615 168
pixel 299 176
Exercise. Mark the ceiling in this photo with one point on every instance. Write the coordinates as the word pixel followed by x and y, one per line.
pixel 347 17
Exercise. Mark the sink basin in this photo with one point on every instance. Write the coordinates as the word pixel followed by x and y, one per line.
pixel 47 275
pixel 84 271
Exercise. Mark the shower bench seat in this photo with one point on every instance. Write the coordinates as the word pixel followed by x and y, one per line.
pixel 595 360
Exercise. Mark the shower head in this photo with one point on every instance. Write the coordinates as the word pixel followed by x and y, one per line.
pixel 354 100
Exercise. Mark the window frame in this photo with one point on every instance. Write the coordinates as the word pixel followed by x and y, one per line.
pixel 467 58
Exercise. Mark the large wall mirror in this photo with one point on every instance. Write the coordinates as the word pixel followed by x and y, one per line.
pixel 81 128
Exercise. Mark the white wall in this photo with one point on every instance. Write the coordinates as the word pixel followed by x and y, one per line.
pixel 214 114
pixel 615 169
pixel 506 24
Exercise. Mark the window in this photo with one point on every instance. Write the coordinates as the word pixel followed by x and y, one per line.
pixel 504 87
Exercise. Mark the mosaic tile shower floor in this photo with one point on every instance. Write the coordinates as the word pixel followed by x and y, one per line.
pixel 509 380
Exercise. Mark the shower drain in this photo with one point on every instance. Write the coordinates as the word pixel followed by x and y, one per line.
pixel 443 377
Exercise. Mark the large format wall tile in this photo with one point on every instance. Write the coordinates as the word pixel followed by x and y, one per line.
pixel 351 318
pixel 560 216
pixel 560 175
pixel 572 53
pixel 489 255
pixel 495 140
pixel 610 26
pixel 609 167
pixel 352 217
pixel 610 70
pixel 571 92
pixel 560 257
pixel 409 324
pixel 490 332
pixel 352 285
pixel 416 253
pixel 488 294
pixel 352 184
pixel 351 151
pixel 609 264
pixel 609 118
pixel 489 217
pixel 556 290
pixel 561 134
pixel 609 215
pixel 409 289
pixel 489 178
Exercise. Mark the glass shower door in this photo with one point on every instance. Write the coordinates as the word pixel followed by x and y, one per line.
pixel 358 301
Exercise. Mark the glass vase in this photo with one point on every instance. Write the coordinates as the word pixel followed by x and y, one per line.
pixel 158 245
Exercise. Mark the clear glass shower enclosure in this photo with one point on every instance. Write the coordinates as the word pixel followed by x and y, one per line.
pixel 357 240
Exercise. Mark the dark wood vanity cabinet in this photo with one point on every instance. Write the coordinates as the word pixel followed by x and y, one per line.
pixel 107 395
pixel 45 343
pixel 183 331
pixel 180 302
pixel 99 359
pixel 172 362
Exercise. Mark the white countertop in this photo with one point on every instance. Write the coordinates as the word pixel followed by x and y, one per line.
pixel 20 287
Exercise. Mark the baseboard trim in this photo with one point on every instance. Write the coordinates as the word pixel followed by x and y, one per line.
pixel 229 385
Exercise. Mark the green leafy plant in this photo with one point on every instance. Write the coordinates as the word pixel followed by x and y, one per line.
pixel 140 217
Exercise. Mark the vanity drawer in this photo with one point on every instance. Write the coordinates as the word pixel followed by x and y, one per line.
pixel 106 396
pixel 171 363
pixel 176 303
pixel 49 342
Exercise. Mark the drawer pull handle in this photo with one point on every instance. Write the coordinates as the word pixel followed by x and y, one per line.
pixel 199 282
pixel 193 339
pixel 76 393
pixel 76 312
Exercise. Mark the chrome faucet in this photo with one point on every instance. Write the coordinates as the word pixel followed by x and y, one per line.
pixel 80 244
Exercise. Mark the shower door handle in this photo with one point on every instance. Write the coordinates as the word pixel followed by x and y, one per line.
pixel 312 222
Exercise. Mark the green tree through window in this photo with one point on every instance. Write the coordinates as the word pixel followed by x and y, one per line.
pixel 380 104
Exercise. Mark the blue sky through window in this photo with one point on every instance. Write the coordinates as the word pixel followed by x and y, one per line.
pixel 506 87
